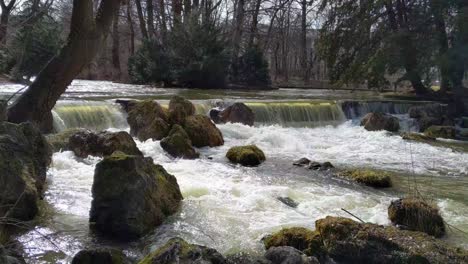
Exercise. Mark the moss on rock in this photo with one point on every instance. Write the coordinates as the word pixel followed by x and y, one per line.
pixel 178 144
pixel 246 155
pixel 59 141
pixel 300 238
pixel 417 137
pixel 179 109
pixel 131 196
pixel 177 251
pixel 447 132
pixel 147 120
pixel 202 131
pixel 368 177
pixel 417 215
pixel 350 242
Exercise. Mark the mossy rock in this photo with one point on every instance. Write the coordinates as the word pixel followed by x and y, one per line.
pixel 59 141
pixel 238 113
pixel 417 215
pixel 202 132
pixel 147 120
pixel 447 132
pixel 368 177
pixel 178 144
pixel 379 121
pixel 347 241
pixel 417 137
pixel 177 251
pixel 131 196
pixel 246 155
pixel 300 238
pixel 100 256
pixel 179 109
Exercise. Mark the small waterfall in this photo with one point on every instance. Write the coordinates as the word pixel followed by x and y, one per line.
pixel 357 109
pixel 297 114
pixel 86 114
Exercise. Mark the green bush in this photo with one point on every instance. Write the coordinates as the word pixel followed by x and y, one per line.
pixel 150 64
pixel 251 68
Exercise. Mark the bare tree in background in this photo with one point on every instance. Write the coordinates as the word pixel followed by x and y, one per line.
pixel 4 18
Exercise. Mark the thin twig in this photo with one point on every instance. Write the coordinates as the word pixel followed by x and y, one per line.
pixel 353 215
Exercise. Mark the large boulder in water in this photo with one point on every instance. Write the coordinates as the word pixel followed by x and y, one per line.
pixel 147 120
pixel 203 132
pixel 179 109
pixel 177 251
pixel 288 255
pixel 417 215
pixel 303 239
pixel 100 256
pixel 178 144
pixel 24 158
pixel 131 196
pixel 368 177
pixel 86 142
pixel 347 241
pixel 447 132
pixel 60 141
pixel 379 121
pixel 237 113
pixel 246 155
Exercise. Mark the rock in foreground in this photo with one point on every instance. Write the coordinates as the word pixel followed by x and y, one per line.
pixel 177 251
pixel 288 255
pixel 347 241
pixel 371 178
pixel 246 155
pixel 24 158
pixel 300 238
pixel 178 144
pixel 415 214
pixel 202 132
pixel 379 121
pixel 131 196
pixel 100 256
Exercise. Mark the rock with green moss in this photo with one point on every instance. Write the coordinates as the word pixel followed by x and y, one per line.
pixel 86 142
pixel 202 132
pixel 59 141
pixel 178 144
pixel 179 109
pixel 178 251
pixel 447 132
pixel 347 241
pixel 368 177
pixel 300 238
pixel 147 120
pixel 417 137
pixel 25 156
pixel 100 256
pixel 131 196
pixel 288 255
pixel 246 155
pixel 417 215
pixel 379 121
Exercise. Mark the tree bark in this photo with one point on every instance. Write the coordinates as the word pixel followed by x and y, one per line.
pixel 440 27
pixel 132 29
pixel 254 25
pixel 87 35
pixel 141 18
pixel 162 9
pixel 304 60
pixel 237 35
pixel 4 18
pixel 177 12
pixel 150 16
pixel 116 47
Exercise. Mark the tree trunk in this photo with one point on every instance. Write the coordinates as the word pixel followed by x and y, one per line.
pixel 132 29
pixel 177 12
pixel 4 18
pixel 141 18
pixel 237 35
pixel 117 72
pixel 438 8
pixel 254 25
pixel 150 16
pixel 162 9
pixel 187 10
pixel 304 60
pixel 87 35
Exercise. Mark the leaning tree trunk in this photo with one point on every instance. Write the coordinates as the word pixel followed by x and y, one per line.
pixel 87 34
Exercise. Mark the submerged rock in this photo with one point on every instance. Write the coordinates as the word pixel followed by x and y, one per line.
pixel 347 241
pixel 237 113
pixel 178 144
pixel 288 255
pixel 85 143
pixel 417 137
pixel 202 132
pixel 179 109
pixel 302 162
pixel 379 121
pixel 177 251
pixel 24 158
pixel 303 239
pixel 246 155
pixel 288 201
pixel 417 215
pixel 131 196
pixel 100 256
pixel 447 132
pixel 320 166
pixel 372 178
pixel 147 120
